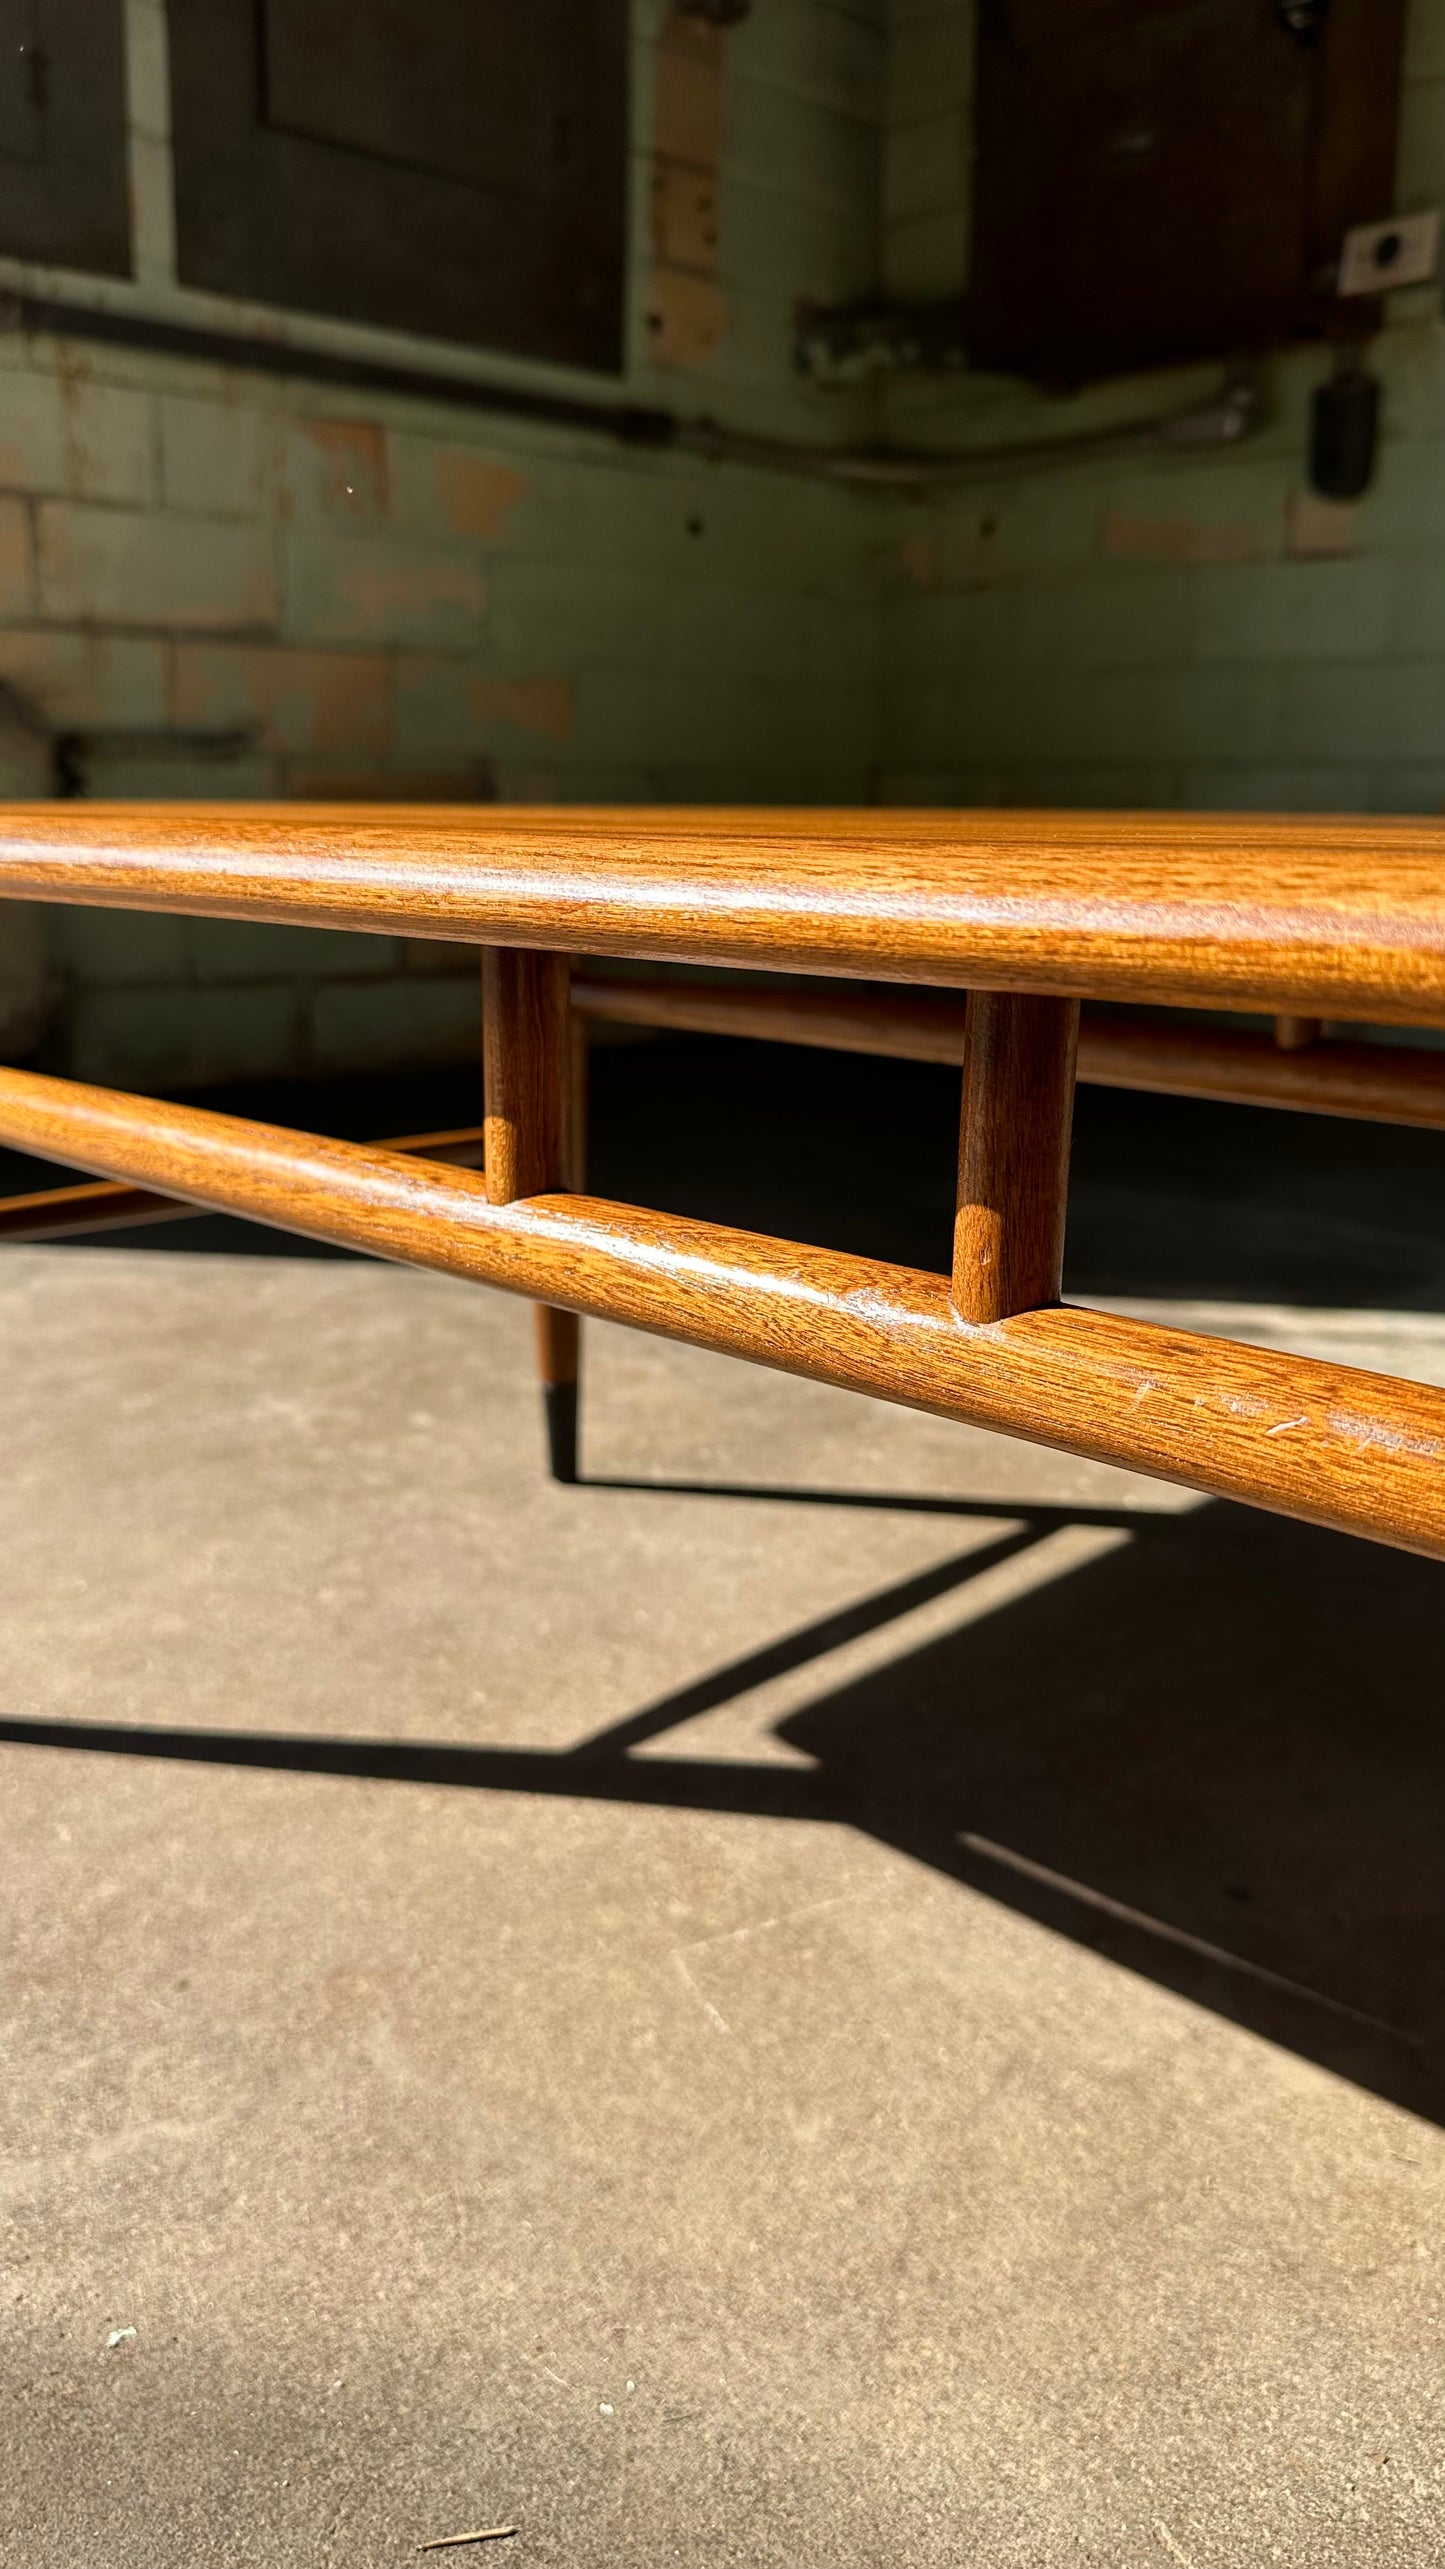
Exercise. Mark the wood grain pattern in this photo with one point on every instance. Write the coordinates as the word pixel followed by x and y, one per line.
pixel 1013 1161
pixel 74 1212
pixel 1374 1083
pixel 526 1056
pixel 1318 917
pixel 528 1038
pixel 559 1333
pixel 1117 1049
pixel 558 1342
pixel 1323 1442
pixel 832 1016
pixel 1293 1033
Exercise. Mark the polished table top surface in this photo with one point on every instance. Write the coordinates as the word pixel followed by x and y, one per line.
pixel 1327 915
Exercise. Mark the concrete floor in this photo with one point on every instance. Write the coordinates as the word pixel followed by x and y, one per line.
pixel 851 1991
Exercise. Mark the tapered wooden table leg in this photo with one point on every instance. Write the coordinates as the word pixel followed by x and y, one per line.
pixel 559 1366
pixel 559 1333
pixel 1013 1172
pixel 527 1053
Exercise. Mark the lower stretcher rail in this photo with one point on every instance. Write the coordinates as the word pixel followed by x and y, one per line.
pixel 1359 1452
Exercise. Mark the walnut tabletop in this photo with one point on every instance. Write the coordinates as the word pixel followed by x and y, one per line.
pixel 1327 916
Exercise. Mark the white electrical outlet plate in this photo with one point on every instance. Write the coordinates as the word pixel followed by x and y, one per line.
pixel 1405 251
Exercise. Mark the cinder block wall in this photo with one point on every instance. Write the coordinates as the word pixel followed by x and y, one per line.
pixel 233 585
pixel 1202 633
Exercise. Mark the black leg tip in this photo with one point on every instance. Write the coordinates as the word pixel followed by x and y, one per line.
pixel 560 1403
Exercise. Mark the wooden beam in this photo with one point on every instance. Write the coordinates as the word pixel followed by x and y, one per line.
pixel 1326 916
pixel 1356 1451
pixel 829 1016
pixel 1377 1083
pixel 1371 1083
pixel 74 1212
pixel 1013 1162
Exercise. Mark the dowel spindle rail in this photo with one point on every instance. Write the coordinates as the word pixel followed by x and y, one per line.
pixel 1118 1048
pixel 75 1212
pixel 1013 1161
pixel 1359 1452
pixel 1297 921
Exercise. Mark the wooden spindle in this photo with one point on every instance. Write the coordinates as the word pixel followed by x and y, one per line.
pixel 1013 1175
pixel 1296 1034
pixel 527 1051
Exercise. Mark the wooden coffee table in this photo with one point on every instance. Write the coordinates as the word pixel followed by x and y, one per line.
pixel 1030 914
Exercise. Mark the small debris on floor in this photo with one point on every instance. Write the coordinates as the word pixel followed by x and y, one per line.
pixel 118 2337
pixel 487 2533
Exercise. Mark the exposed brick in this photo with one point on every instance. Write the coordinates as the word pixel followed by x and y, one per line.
pixel 684 216
pixel 307 700
pixel 685 318
pixel 476 494
pixel 1318 529
pixel 1229 510
pixel 442 488
pixel 128 566
pixel 546 706
pixel 687 97
pixel 349 468
pixel 1179 539
pixel 355 588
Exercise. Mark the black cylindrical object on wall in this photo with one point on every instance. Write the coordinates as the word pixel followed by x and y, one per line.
pixel 1344 433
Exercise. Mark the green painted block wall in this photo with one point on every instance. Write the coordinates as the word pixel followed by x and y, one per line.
pixel 240 586
pixel 1198 632
pixel 390 598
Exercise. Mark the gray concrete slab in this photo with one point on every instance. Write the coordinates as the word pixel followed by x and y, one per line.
pixel 748 2028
